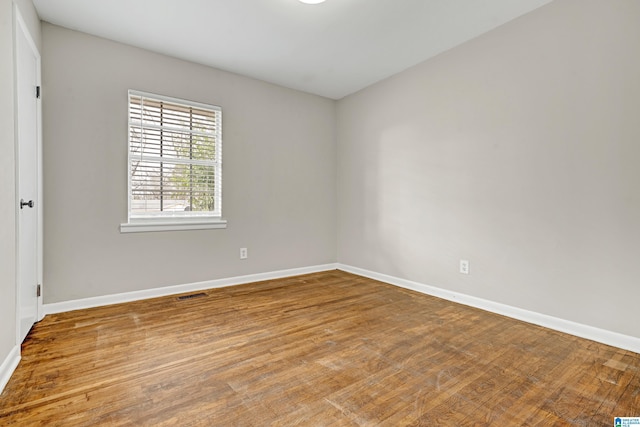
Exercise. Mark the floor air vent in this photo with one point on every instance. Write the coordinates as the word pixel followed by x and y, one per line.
pixel 198 295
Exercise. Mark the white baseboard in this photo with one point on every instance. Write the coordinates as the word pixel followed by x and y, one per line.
pixel 60 307
pixel 584 331
pixel 9 365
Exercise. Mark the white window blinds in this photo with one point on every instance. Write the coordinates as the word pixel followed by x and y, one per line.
pixel 175 158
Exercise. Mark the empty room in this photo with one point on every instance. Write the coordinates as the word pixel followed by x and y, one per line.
pixel 319 213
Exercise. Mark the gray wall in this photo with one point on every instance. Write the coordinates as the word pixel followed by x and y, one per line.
pixel 518 151
pixel 7 168
pixel 279 177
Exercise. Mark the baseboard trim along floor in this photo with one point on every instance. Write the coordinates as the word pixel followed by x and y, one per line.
pixel 584 331
pixel 603 336
pixel 79 304
pixel 9 365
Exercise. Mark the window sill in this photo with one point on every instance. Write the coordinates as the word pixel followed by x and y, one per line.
pixel 168 225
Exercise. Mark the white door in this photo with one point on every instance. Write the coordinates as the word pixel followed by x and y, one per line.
pixel 27 81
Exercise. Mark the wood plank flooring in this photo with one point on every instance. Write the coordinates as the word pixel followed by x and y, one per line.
pixel 325 349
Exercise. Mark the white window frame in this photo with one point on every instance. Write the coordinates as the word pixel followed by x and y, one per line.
pixel 177 221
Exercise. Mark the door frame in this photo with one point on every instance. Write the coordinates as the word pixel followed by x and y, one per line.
pixel 20 26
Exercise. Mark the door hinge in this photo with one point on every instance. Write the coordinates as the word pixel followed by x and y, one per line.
pixel 39 290
pixel 38 92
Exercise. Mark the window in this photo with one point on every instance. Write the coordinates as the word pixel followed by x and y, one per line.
pixel 175 164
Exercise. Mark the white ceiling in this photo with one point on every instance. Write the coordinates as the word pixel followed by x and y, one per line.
pixel 331 49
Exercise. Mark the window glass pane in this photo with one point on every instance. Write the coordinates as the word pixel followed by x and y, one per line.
pixel 174 160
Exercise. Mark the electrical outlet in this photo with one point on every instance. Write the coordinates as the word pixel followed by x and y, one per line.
pixel 243 253
pixel 464 266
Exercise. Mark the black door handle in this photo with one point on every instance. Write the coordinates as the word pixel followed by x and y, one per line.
pixel 23 203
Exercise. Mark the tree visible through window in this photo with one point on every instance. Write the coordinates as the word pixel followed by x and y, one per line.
pixel 174 158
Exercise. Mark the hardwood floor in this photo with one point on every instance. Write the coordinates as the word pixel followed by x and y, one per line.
pixel 325 349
